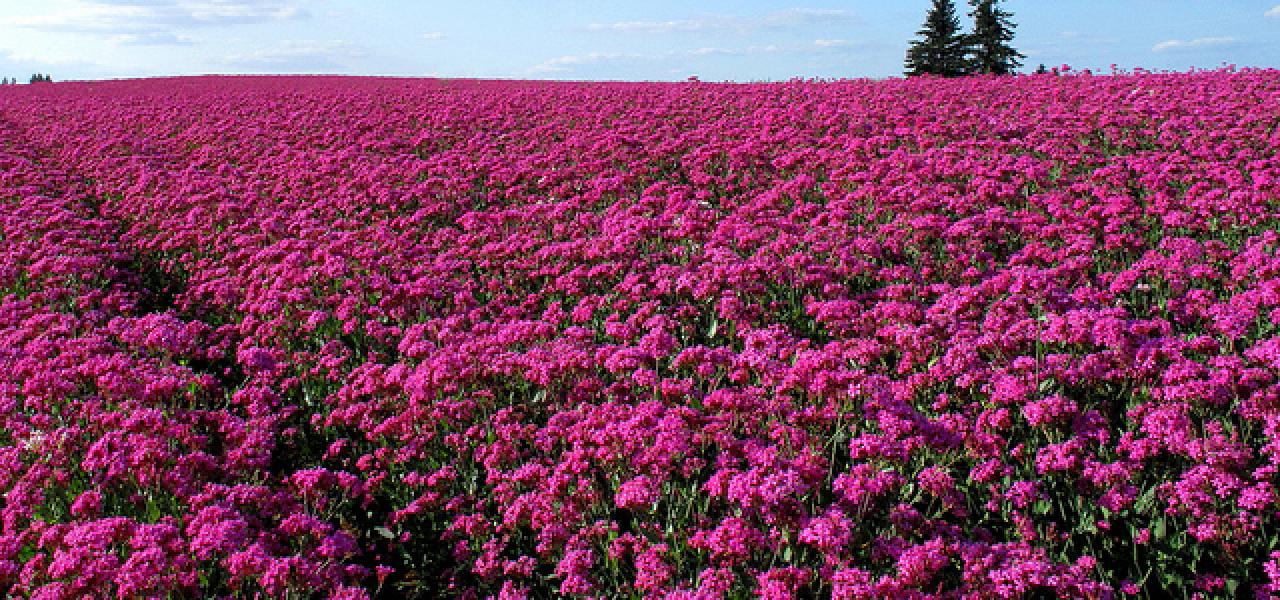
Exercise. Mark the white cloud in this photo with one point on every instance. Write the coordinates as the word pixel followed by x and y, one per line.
pixel 219 12
pixel 1204 42
pixel 806 16
pixel 649 26
pixel 155 19
pixel 831 43
pixel 152 39
pixel 709 51
pixel 62 65
pixel 433 36
pixel 782 19
pixel 566 64
pixel 93 18
pixel 562 64
pixel 1274 13
pixel 21 57
pixel 299 56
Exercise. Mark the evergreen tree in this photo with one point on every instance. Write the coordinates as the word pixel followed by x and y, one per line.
pixel 941 47
pixel 989 47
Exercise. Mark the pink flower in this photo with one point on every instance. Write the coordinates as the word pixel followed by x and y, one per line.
pixel 918 565
pixel 574 572
pixel 637 493
pixel 831 532
pixel 733 540
pixel 87 504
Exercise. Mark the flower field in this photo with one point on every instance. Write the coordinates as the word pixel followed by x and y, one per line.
pixel 293 337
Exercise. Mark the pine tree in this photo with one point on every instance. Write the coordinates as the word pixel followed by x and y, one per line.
pixel 989 47
pixel 941 47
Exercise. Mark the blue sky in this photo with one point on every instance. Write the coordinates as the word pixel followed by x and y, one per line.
pixel 741 40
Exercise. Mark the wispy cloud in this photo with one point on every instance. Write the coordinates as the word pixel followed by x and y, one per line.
pixel 24 58
pixel 152 39
pixel 713 51
pixel 19 63
pixel 433 36
pixel 782 19
pixel 154 21
pixel 569 63
pixel 649 26
pixel 1274 13
pixel 831 43
pixel 564 64
pixel 299 56
pixel 1197 43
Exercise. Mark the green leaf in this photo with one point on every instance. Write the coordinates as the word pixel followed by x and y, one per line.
pixel 1146 501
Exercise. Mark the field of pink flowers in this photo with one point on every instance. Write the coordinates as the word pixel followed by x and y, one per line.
pixel 295 337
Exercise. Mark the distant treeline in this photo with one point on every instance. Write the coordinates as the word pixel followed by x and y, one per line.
pixel 36 78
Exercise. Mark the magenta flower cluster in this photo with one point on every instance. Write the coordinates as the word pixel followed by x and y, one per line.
pixel 355 338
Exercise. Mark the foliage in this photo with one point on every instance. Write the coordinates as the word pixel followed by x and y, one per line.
pixel 989 44
pixel 941 47
pixel 339 337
